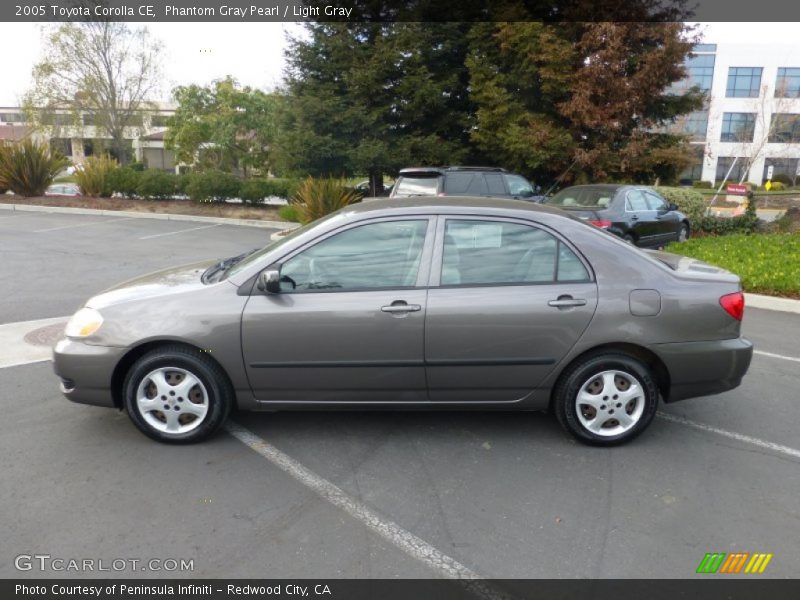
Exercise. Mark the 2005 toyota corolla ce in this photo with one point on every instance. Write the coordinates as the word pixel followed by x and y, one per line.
pixel 414 303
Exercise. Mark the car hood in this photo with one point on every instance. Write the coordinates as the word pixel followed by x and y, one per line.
pixel 159 283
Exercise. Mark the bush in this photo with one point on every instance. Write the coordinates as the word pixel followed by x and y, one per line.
pixel 212 186
pixel 256 190
pixel 181 181
pixel 27 168
pixel 690 202
pixel 124 181
pixel 319 197
pixel 94 176
pixel 704 185
pixel 784 179
pixel 747 223
pixel 137 166
pixel 289 213
pixel 155 184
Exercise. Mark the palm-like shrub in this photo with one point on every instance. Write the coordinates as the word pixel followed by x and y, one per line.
pixel 316 198
pixel 27 168
pixel 94 176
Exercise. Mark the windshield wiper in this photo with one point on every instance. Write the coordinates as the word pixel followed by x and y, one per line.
pixel 215 272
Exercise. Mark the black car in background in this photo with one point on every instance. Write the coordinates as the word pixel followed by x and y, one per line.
pixel 637 214
pixel 463 181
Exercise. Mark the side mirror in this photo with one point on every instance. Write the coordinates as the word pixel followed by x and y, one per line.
pixel 673 206
pixel 269 281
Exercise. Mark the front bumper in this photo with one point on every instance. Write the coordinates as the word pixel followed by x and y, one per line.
pixel 85 371
pixel 704 368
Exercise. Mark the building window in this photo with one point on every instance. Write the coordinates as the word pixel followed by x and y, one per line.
pixel 62 145
pixel 700 71
pixel 158 120
pixel 739 172
pixel 695 125
pixel 788 83
pixel 743 82
pixel 785 129
pixel 738 127
pixel 12 118
pixel 694 172
pixel 786 170
pixel 705 48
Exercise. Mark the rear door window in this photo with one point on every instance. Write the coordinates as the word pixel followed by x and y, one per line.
pixel 465 183
pixel 478 252
pixel 635 201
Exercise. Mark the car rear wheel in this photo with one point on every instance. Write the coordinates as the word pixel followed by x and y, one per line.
pixel 629 238
pixel 683 232
pixel 606 399
pixel 177 395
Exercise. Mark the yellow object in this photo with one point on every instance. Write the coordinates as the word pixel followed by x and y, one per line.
pixel 768 185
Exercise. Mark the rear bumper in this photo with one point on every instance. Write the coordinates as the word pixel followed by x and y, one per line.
pixel 704 368
pixel 85 371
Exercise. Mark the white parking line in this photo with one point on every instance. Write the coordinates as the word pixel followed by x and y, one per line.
pixel 740 437
pixel 389 530
pixel 82 225
pixel 781 356
pixel 150 237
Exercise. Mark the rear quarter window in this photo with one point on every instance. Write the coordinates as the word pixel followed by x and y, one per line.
pixel 417 186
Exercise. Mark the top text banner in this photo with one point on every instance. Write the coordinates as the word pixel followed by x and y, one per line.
pixel 397 10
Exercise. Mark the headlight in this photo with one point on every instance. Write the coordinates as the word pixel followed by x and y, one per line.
pixel 83 323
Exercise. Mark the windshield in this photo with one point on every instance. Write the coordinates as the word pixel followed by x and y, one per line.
pixel 583 197
pixel 417 185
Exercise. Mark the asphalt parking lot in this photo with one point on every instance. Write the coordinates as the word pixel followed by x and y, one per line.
pixel 502 495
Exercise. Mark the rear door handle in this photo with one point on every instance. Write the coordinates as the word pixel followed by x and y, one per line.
pixel 567 302
pixel 398 307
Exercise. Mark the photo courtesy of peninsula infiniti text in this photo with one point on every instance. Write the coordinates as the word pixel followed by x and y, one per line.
pixel 414 303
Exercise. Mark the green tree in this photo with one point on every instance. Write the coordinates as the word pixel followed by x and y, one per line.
pixel 99 73
pixel 374 97
pixel 222 126
pixel 588 98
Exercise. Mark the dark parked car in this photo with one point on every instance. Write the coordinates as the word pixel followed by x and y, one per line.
pixel 446 303
pixel 463 181
pixel 637 214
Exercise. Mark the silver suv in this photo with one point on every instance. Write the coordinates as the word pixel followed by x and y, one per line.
pixel 463 181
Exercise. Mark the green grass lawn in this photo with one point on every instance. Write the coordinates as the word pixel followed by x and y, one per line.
pixel 767 263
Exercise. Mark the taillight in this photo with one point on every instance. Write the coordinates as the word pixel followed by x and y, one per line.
pixel 601 223
pixel 733 304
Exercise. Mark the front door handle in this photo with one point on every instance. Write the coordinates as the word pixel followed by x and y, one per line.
pixel 566 302
pixel 401 307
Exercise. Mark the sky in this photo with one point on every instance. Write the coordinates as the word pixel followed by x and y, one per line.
pixel 253 52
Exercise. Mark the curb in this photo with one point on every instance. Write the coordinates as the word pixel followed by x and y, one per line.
pixel 772 303
pixel 140 215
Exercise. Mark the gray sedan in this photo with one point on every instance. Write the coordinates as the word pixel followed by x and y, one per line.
pixel 418 303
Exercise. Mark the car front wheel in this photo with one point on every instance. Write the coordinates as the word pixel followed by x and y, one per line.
pixel 606 399
pixel 177 395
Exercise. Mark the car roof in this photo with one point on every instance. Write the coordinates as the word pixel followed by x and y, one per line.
pixel 434 204
pixel 598 186
pixel 442 170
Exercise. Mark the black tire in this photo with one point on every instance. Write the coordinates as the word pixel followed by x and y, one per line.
pixel 220 396
pixel 569 385
pixel 629 238
pixel 683 232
